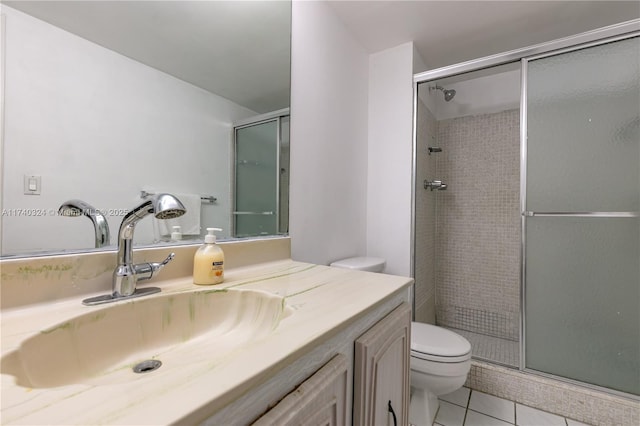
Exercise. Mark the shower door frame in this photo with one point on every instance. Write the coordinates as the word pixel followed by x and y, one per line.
pixel 276 116
pixel 528 214
pixel 588 39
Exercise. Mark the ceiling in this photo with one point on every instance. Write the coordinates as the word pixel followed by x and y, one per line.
pixel 449 32
pixel 241 49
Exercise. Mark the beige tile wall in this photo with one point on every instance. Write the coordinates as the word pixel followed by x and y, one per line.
pixel 478 224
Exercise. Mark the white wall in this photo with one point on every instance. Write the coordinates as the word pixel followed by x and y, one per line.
pixel 352 151
pixel 101 127
pixel 419 64
pixel 329 87
pixel 390 157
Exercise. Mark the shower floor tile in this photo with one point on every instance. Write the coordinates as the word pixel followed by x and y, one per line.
pixel 494 349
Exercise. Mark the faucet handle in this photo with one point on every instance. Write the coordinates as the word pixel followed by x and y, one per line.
pixel 167 260
pixel 155 266
pixel 145 271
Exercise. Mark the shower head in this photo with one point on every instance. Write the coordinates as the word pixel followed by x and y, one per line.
pixel 448 93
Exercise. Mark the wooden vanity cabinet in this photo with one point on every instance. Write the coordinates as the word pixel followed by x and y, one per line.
pixel 380 380
pixel 347 379
pixel 320 400
pixel 381 371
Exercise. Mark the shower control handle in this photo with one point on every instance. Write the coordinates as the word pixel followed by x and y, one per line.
pixel 435 184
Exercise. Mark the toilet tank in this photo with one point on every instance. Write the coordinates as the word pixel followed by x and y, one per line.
pixel 371 264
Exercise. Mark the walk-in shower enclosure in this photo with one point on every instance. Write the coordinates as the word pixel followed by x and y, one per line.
pixel 531 249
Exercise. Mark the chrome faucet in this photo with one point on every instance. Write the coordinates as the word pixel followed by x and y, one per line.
pixel 127 274
pixel 100 225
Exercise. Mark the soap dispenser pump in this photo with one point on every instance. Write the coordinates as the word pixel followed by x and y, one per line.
pixel 208 262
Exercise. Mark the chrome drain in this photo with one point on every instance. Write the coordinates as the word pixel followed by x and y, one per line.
pixel 147 366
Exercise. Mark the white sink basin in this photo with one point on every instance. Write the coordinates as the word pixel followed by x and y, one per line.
pixel 103 345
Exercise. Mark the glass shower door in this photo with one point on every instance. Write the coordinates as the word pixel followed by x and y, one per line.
pixel 257 170
pixel 582 231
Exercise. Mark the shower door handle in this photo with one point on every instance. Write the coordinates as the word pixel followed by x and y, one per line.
pixel 581 214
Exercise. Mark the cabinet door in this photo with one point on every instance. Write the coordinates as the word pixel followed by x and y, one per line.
pixel 320 400
pixel 381 371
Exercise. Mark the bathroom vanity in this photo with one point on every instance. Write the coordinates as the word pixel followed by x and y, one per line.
pixel 289 339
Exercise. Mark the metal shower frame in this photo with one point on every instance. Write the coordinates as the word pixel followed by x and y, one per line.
pixel 275 116
pixel 596 37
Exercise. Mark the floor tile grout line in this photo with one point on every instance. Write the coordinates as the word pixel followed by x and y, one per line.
pixel 565 418
pixel 515 412
pixel 466 409
pixel 489 415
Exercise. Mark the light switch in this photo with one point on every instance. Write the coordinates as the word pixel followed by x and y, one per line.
pixel 32 185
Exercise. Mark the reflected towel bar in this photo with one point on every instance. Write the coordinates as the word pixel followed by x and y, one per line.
pixel 204 198
pixel 260 213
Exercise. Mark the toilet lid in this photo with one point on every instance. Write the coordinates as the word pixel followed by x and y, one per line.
pixel 373 264
pixel 437 341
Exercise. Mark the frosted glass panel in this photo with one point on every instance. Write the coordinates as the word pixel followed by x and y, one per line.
pixel 583 299
pixel 583 115
pixel 256 180
pixel 254 225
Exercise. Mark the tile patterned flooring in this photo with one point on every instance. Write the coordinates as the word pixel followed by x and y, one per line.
pixel 465 407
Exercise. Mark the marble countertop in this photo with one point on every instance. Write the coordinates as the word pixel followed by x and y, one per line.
pixel 321 301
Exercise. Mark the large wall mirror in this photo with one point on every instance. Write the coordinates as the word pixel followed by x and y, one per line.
pixel 107 102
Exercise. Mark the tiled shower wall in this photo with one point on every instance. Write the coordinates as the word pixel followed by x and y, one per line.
pixel 425 219
pixel 477 244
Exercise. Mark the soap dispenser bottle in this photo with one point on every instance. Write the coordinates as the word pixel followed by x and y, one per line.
pixel 208 262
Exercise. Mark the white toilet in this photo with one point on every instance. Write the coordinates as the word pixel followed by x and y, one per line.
pixel 440 363
pixel 440 358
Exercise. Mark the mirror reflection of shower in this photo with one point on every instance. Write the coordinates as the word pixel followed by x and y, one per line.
pixel 448 93
pixel 261 178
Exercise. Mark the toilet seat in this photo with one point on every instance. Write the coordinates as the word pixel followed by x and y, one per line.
pixel 433 343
